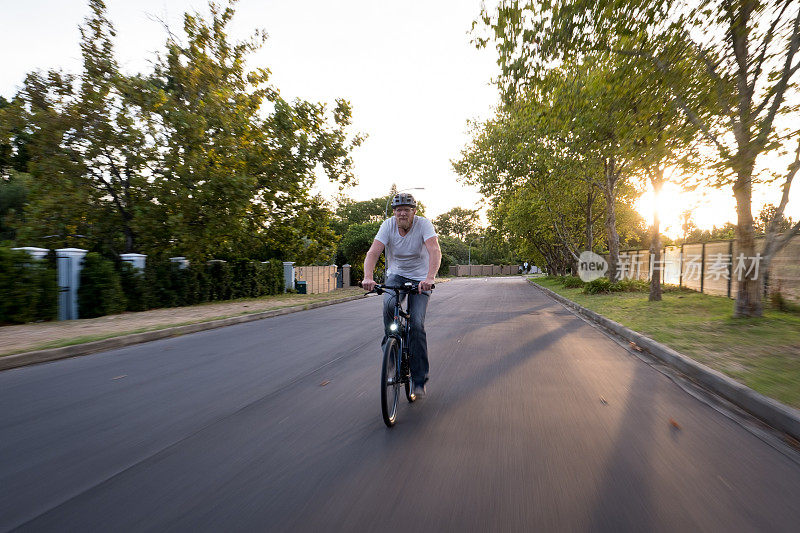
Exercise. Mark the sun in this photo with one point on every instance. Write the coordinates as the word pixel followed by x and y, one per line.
pixel 670 204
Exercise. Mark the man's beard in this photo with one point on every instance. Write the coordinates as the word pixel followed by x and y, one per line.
pixel 405 225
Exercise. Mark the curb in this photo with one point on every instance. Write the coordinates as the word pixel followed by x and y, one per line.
pixel 52 354
pixel 771 412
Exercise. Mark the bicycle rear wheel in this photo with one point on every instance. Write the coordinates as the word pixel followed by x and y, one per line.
pixel 390 382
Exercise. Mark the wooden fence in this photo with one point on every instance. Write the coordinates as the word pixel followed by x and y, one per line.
pixel 318 278
pixel 715 267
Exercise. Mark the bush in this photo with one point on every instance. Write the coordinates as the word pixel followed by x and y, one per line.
pixel 447 261
pixel 630 285
pixel 100 291
pixel 572 282
pixel 160 284
pixel 168 285
pixel 134 287
pixel 28 288
pixel 778 302
pixel 598 286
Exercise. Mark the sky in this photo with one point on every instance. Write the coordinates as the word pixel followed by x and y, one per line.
pixel 408 68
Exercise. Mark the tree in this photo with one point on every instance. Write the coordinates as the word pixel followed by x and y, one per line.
pixel 769 216
pixel 350 212
pixel 565 138
pixel 458 222
pixel 13 197
pixel 356 243
pixel 199 157
pixel 230 171
pixel 87 142
pixel 746 51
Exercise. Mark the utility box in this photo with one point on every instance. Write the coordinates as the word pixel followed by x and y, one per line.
pixel 301 287
pixel 69 275
pixel 288 275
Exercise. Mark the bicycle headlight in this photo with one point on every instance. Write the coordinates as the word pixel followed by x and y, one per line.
pixel 393 327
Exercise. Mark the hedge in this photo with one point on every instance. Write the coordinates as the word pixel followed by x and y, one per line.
pixel 28 288
pixel 100 291
pixel 165 284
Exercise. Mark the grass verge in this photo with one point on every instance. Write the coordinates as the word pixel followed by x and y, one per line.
pixel 762 353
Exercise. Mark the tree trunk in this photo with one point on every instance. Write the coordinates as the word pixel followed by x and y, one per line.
pixel 748 294
pixel 613 236
pixel 655 257
pixel 128 239
pixel 609 189
pixel 655 241
pixel 589 224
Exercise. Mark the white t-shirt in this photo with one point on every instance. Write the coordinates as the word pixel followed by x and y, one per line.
pixel 407 256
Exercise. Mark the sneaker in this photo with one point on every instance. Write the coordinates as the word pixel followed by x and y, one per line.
pixel 419 389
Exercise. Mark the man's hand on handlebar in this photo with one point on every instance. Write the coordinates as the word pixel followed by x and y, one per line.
pixel 368 284
pixel 425 285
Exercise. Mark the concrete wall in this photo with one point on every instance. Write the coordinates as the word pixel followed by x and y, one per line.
pixel 483 270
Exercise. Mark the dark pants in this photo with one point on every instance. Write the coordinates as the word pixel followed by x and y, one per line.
pixel 417 306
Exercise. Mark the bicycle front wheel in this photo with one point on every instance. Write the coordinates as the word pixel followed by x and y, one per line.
pixel 410 396
pixel 390 382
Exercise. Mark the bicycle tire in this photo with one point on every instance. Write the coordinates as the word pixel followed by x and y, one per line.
pixel 390 385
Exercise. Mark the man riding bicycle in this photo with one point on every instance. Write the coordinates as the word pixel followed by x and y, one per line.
pixel 412 255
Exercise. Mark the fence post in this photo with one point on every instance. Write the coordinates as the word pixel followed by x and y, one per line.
pixel 34 252
pixel 703 268
pixel 137 260
pixel 182 261
pixel 680 267
pixel 288 275
pixel 69 262
pixel 345 275
pixel 730 266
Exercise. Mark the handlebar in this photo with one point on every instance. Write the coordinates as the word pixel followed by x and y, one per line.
pixel 407 287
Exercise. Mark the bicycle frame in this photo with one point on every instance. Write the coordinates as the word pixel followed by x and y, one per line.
pixel 402 332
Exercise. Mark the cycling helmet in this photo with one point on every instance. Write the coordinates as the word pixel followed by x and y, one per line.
pixel 403 198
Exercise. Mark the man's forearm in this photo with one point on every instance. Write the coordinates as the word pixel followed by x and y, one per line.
pixel 369 265
pixel 434 261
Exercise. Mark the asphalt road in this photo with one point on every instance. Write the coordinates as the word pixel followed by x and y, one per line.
pixel 534 421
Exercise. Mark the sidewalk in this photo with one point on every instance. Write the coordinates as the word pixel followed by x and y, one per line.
pixel 31 337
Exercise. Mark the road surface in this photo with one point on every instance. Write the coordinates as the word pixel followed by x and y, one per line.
pixel 534 421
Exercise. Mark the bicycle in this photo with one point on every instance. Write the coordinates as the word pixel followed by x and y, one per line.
pixel 396 371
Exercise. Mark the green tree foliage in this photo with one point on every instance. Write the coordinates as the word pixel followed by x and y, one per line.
pixel 13 197
pixel 730 66
pixel 200 157
pixel 769 216
pixel 100 291
pixel 354 245
pixel 28 288
pixel 458 222
pixel 350 212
